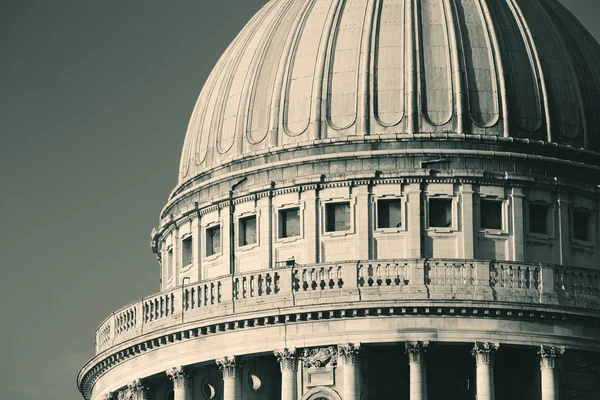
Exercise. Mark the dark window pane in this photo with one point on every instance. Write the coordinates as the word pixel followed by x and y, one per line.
pixel 388 214
pixel 213 240
pixel 491 214
pixel 186 251
pixel 247 230
pixel 538 218
pixel 440 213
pixel 337 216
pixel 581 225
pixel 289 223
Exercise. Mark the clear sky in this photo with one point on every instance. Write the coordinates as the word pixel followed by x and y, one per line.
pixel 95 97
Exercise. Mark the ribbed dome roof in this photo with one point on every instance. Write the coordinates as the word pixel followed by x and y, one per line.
pixel 306 70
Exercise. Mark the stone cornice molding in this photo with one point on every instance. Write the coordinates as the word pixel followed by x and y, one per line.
pixel 229 366
pixel 179 377
pixel 548 356
pixel 484 352
pixel 416 351
pixel 288 359
pixel 349 353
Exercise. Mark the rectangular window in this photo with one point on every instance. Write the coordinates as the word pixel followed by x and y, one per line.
pixel 538 218
pixel 581 225
pixel 491 214
pixel 289 222
pixel 247 230
pixel 440 213
pixel 186 251
pixel 213 240
pixel 170 263
pixel 337 217
pixel 389 213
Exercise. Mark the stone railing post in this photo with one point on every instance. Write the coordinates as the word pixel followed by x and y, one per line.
pixel 483 289
pixel 350 356
pixel 288 362
pixel 417 281
pixel 548 356
pixel 418 369
pixel 484 362
pixel 548 294
pixel 182 383
pixel 231 378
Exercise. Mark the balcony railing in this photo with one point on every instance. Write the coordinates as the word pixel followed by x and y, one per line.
pixel 358 281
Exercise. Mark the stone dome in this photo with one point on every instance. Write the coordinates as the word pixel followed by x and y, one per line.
pixel 306 72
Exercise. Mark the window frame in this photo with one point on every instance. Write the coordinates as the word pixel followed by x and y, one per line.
pixel 240 218
pixel 325 203
pixel 210 227
pixel 278 210
pixel 504 218
pixel 453 209
pixel 187 237
pixel 591 228
pixel 550 220
pixel 403 214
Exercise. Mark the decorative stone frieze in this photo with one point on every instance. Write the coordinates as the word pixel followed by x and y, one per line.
pixel 179 377
pixel 415 351
pixel 229 366
pixel 484 353
pixel 287 359
pixel 548 356
pixel 349 353
pixel 320 357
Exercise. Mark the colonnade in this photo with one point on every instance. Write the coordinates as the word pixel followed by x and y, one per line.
pixel 350 360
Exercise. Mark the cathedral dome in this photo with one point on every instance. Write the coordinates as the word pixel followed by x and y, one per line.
pixel 313 72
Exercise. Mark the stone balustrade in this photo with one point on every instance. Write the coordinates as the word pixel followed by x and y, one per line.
pixel 419 280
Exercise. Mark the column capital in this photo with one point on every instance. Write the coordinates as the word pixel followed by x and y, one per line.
pixel 415 351
pixel 108 396
pixel 229 366
pixel 349 353
pixel 548 356
pixel 179 377
pixel 288 359
pixel 137 390
pixel 484 352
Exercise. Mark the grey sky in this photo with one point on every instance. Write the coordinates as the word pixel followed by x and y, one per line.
pixel 95 98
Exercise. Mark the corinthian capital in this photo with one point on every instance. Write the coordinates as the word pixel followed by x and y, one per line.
pixel 288 360
pixel 229 366
pixel 349 353
pixel 108 396
pixel 548 356
pixel 137 390
pixel 484 353
pixel 180 378
pixel 415 351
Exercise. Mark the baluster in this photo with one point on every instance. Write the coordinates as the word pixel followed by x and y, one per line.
pixel 219 292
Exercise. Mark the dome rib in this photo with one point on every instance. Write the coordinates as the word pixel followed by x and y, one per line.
pixel 308 70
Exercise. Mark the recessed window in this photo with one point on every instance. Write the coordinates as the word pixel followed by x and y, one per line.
pixel 337 217
pixel 491 214
pixel 213 240
pixel 170 262
pixel 247 227
pixel 289 222
pixel 581 225
pixel 538 218
pixel 186 251
pixel 440 213
pixel 389 214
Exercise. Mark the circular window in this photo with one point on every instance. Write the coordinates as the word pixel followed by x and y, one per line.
pixel 255 381
pixel 209 389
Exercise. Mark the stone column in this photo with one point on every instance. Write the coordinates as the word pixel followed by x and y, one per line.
pixel 288 361
pixel 137 390
pixel 548 357
pixel 182 383
pixel 418 371
pixel 484 361
pixel 350 355
pixel 230 368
